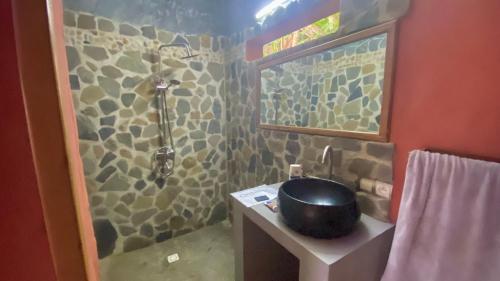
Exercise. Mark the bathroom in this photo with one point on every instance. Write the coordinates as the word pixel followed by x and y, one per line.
pixel 139 121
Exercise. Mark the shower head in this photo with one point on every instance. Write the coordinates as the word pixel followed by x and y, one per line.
pixel 162 85
pixel 189 51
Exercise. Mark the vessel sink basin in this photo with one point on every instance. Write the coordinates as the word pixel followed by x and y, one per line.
pixel 318 208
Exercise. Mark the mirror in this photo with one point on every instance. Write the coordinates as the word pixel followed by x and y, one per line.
pixel 338 88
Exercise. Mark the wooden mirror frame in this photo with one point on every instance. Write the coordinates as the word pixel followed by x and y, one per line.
pixel 320 45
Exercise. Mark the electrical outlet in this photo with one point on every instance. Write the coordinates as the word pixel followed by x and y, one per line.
pixel 173 258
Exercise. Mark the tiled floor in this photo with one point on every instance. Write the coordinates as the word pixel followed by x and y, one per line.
pixel 205 255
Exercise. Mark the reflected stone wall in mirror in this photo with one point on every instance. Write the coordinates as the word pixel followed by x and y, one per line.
pixel 338 89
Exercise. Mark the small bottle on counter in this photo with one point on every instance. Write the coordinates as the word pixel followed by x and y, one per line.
pixel 296 171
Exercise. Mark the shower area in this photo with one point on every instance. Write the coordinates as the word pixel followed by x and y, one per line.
pixel 151 108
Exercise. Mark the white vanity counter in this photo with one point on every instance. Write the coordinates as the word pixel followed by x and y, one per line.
pixel 359 256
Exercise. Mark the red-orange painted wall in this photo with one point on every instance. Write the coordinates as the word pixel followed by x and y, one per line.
pixel 447 82
pixel 24 246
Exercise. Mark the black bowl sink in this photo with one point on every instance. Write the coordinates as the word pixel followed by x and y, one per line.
pixel 318 208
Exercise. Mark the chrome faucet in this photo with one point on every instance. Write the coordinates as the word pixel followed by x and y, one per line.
pixel 328 152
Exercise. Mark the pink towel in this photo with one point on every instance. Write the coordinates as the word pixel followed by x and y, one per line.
pixel 449 221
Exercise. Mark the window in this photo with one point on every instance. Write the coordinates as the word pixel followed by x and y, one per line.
pixel 325 26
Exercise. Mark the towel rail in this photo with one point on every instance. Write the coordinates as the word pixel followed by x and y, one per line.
pixel 464 155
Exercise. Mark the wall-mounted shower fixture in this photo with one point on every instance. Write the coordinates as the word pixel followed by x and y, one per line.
pixel 189 51
pixel 164 157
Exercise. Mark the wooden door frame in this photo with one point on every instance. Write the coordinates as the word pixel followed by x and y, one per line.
pixel 54 137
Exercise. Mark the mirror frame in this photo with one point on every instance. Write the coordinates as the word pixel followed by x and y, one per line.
pixel 320 45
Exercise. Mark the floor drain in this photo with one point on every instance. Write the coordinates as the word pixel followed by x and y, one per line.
pixel 173 258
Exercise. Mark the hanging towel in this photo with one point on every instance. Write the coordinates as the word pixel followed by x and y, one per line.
pixel 448 227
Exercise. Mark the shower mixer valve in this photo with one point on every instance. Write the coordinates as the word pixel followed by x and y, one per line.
pixel 164 161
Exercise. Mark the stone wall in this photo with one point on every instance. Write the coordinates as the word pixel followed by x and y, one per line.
pixel 340 88
pixel 111 72
pixel 257 156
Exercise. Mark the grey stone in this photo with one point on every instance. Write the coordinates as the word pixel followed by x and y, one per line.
pixel 206 104
pixel 199 145
pixel 110 86
pixel 182 92
pixel 142 202
pixel 140 185
pixel 123 166
pixel 150 131
pixel 128 99
pixel 166 197
pixel 88 166
pixel 267 158
pixel 135 243
pixel 147 230
pixel 105 25
pixel 97 53
pixel 198 134
pixel 142 216
pixel 122 210
pixel 151 57
pixel 219 213
pixel 163 236
pixel 188 76
pixel 90 111
pixel 183 107
pixel 128 198
pixel 105 174
pixel 128 30
pixel 188 163
pixel 69 19
pixel 165 36
pixel 136 173
pixel 142 146
pixel 116 183
pixel 194 42
pixel 362 167
pixel 106 236
pixel 125 138
pixel 216 70
pixel 108 157
pixel 126 230
pixel 383 173
pixel 74 82
pixel 195 65
pixel 132 64
pixel 149 32
pixel 140 106
pixel 73 57
pixel 293 148
pixel 135 131
pixel 214 127
pixel 108 106
pixel 86 129
pixel 108 121
pixel 86 21
pixel 177 222
pixel 131 82
pixel 85 75
pixel 353 72
pixel 91 94
pixel 111 71
pixel 204 79
pixel 347 144
pixel 381 151
pixel 150 191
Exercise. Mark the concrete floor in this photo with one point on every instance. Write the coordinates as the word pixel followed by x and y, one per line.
pixel 205 255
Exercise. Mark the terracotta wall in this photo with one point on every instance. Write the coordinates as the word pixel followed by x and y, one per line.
pixel 24 241
pixel 446 92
